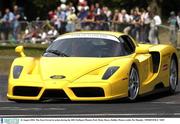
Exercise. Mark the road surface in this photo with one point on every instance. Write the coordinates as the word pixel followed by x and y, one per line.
pixel 156 105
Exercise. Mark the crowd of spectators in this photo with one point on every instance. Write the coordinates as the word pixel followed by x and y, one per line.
pixel 9 24
pixel 142 24
pixel 174 25
pixel 67 19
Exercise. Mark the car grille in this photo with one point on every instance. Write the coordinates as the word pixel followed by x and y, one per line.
pixel 54 94
pixel 26 91
pixel 88 92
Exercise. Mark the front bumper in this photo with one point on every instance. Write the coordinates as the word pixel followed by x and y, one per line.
pixel 96 91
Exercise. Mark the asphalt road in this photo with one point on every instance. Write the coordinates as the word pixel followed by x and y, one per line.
pixel 156 105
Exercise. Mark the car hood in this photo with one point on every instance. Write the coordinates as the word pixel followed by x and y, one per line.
pixel 69 68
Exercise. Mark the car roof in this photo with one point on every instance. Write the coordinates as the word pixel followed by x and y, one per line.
pixel 109 33
pixel 116 34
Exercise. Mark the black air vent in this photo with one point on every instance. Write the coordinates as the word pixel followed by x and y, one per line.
pixel 54 94
pixel 88 92
pixel 26 91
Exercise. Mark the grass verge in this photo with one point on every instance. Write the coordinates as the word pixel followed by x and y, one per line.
pixel 8 54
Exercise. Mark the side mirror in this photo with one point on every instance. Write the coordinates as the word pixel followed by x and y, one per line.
pixel 140 50
pixel 20 50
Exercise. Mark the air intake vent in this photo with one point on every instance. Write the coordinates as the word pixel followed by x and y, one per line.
pixel 54 94
pixel 156 61
pixel 26 91
pixel 88 92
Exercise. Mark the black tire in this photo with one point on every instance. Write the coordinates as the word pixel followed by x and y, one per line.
pixel 133 84
pixel 173 75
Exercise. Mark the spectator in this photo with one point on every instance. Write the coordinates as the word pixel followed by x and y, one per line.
pixel 51 15
pixel 129 27
pixel 152 29
pixel 136 25
pixel 101 21
pixel 71 21
pixel 89 21
pixel 158 22
pixel 178 20
pixel 56 18
pixel 82 16
pixel 8 19
pixel 153 33
pixel 131 16
pixel 137 10
pixel 115 20
pixel 1 26
pixel 62 16
pixel 16 24
pixel 97 9
pixel 173 28
pixel 146 23
pixel 107 12
pixel 142 16
pixel 124 17
pixel 71 7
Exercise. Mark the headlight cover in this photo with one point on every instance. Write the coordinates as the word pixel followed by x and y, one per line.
pixel 17 71
pixel 109 72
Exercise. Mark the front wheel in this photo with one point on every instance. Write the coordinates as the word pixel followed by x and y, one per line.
pixel 173 76
pixel 134 84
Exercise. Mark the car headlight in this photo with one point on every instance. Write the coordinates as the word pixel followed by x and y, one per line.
pixel 109 72
pixel 17 71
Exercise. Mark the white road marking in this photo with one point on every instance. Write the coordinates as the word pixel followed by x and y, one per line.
pixel 95 115
pixel 176 113
pixel 29 109
pixel 4 100
pixel 171 102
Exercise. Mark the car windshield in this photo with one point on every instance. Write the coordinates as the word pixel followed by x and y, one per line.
pixel 85 47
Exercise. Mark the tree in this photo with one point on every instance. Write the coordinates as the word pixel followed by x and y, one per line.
pixel 156 5
pixel 163 7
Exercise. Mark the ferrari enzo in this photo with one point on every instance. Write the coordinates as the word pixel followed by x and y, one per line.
pixel 93 66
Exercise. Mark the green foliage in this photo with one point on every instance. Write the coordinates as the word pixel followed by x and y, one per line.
pixel 41 7
pixel 45 3
pixel 127 4
pixel 162 6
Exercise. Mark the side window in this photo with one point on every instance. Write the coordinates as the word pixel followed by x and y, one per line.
pixel 127 44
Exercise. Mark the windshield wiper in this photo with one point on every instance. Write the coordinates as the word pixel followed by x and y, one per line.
pixel 58 53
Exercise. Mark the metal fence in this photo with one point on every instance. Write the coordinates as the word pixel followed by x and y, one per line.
pixel 44 31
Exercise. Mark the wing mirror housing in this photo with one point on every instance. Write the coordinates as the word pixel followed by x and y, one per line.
pixel 140 50
pixel 20 50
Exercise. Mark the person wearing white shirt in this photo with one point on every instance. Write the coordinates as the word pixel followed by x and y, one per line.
pixel 178 20
pixel 157 20
pixel 124 17
pixel 154 27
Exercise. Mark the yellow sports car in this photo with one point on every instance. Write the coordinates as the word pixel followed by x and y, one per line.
pixel 93 66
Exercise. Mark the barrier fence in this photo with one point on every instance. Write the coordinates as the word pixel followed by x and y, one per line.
pixel 44 31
